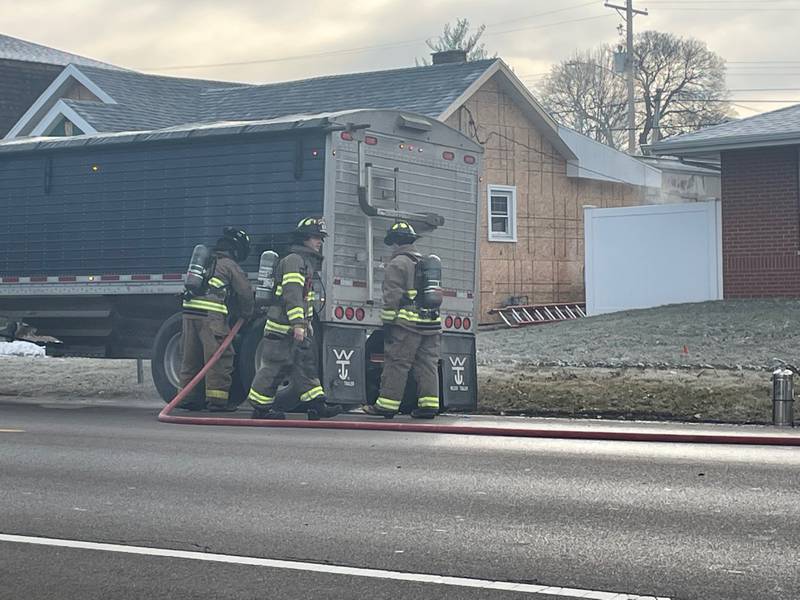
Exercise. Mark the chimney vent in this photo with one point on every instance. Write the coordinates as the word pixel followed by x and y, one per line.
pixel 446 57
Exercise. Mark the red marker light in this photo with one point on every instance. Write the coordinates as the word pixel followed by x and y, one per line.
pixel 339 312
pixel 467 323
pixel 349 313
pixel 347 136
pixel 470 160
pixel 448 155
pixel 457 322
pixel 448 322
pixel 370 141
pixel 360 314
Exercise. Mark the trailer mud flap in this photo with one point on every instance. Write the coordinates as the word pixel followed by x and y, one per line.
pixel 459 372
pixel 343 367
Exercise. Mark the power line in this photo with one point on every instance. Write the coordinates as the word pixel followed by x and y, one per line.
pixel 399 44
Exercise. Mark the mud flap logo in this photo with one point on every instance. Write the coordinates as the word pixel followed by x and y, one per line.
pixel 458 365
pixel 343 358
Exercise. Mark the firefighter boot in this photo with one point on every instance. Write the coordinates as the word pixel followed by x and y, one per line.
pixel 268 413
pixel 317 409
pixel 423 413
pixel 376 411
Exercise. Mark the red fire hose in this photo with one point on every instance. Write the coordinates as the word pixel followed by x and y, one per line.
pixel 527 432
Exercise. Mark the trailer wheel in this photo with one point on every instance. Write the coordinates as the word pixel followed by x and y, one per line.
pixel 166 362
pixel 167 355
pixel 251 358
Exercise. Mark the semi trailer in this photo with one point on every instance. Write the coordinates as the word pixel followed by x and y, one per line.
pixel 97 232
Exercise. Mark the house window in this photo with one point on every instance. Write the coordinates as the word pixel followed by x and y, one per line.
pixel 502 213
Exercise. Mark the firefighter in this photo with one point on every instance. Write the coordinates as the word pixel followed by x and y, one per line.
pixel 412 333
pixel 205 321
pixel 290 349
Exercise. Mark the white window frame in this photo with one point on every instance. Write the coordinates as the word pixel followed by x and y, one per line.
pixel 510 192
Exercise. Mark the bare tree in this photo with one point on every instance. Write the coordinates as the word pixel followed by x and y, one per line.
pixel 458 37
pixel 678 78
pixel 584 93
pixel 684 77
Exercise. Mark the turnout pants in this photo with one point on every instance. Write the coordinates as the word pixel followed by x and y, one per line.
pixel 202 335
pixel 404 352
pixel 286 359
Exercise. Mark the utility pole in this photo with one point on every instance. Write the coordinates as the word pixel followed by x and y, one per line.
pixel 629 66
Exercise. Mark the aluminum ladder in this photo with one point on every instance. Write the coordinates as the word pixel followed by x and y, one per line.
pixel 536 314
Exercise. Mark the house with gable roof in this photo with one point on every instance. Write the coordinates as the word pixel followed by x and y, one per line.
pixel 537 174
pixel 760 161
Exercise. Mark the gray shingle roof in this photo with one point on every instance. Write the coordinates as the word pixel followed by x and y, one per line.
pixel 16 49
pixel 143 101
pixel 151 102
pixel 768 128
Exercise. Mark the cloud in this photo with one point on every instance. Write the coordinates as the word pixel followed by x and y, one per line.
pixel 164 33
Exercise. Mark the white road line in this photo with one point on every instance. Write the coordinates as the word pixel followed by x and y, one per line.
pixel 330 569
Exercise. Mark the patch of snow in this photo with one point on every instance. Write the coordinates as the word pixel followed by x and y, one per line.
pixel 19 348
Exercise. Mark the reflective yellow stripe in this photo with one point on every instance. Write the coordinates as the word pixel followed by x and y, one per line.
pixel 428 402
pixel 293 278
pixel 276 327
pixel 411 293
pixel 313 393
pixel 209 305
pixel 223 395
pixel 311 296
pixel 254 396
pixel 216 282
pixel 279 290
pixel 388 315
pixel 393 405
pixel 296 313
pixel 413 317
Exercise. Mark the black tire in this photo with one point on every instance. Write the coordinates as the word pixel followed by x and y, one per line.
pixel 249 355
pixel 166 362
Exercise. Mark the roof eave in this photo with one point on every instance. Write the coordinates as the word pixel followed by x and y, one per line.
pixel 715 146
pixel 534 110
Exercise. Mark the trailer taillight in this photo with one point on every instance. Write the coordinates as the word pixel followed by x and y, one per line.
pixel 360 314
pixel 457 322
pixel 467 323
pixel 370 140
pixel 448 155
pixel 448 322
pixel 338 312
pixel 349 313
pixel 469 159
pixel 347 136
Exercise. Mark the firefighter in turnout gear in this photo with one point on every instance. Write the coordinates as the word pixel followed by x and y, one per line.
pixel 205 321
pixel 412 332
pixel 290 350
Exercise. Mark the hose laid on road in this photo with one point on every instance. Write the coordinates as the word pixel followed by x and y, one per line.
pixel 525 432
pixel 164 415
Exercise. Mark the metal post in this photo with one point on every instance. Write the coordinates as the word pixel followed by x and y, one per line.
pixel 783 398
pixel 139 371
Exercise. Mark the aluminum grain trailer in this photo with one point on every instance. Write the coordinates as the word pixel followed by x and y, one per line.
pixel 97 231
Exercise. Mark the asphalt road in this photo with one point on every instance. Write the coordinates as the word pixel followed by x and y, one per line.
pixel 672 521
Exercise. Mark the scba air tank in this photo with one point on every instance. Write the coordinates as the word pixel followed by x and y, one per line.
pixel 429 291
pixel 199 270
pixel 265 290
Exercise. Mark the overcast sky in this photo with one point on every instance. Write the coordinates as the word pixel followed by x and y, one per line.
pixel 305 38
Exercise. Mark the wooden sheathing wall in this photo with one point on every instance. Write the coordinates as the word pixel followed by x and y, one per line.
pixel 546 263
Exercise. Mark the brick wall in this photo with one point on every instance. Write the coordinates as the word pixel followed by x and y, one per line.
pixel 761 222
pixel 546 263
pixel 22 84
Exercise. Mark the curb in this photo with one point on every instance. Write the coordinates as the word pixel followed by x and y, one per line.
pixel 519 432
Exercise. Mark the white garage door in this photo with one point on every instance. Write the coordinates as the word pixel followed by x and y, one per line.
pixel 645 256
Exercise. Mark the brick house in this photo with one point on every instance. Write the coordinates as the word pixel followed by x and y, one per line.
pixel 26 69
pixel 760 199
pixel 537 174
